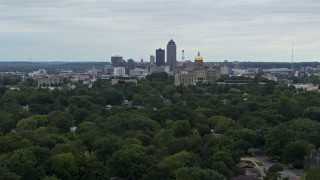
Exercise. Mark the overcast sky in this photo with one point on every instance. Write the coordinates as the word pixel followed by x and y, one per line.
pixel 94 30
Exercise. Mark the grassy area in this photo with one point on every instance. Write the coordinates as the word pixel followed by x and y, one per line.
pixel 259 163
pixel 253 163
pixel 249 162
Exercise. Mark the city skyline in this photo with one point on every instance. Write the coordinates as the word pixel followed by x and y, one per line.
pixel 172 55
pixel 245 30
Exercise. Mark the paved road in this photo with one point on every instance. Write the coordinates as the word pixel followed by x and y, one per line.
pixel 292 174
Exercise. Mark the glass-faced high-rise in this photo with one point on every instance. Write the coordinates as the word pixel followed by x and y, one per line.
pixel 172 55
pixel 160 57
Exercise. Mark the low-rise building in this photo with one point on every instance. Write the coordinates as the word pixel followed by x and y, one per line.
pixel 123 81
pixel 139 73
pixel 119 72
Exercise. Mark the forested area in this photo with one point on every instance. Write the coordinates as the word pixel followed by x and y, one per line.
pixel 167 132
pixel 51 67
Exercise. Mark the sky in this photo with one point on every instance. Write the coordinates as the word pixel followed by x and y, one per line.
pixel 94 30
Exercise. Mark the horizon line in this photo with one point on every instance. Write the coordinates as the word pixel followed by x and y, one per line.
pixel 88 61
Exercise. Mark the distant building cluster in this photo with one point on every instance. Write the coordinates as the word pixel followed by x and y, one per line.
pixel 185 72
pixel 197 74
pixel 45 80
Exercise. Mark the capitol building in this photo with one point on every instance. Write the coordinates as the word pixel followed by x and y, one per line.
pixel 198 74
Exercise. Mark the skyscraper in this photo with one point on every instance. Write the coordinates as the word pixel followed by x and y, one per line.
pixel 160 57
pixel 152 59
pixel 172 55
pixel 115 60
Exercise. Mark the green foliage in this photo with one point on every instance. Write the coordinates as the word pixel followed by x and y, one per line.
pixel 201 134
pixel 295 152
pixel 225 157
pixel 191 173
pixel 128 162
pixel 312 113
pixel 22 162
pixel 220 124
pixel 313 173
pixel 182 159
pixel 273 171
pixel 276 139
pixel 32 122
pixel 64 165
pixel 7 122
pixel 181 128
pixel 5 174
pixel 221 168
pixel 50 178
pixel 92 169
pixel 61 120
pixel 11 142
pixel 276 168
pixel 104 147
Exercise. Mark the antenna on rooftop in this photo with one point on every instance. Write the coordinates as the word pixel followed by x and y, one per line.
pixel 182 55
pixel 292 57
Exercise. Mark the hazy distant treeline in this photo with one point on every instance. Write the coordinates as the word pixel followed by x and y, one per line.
pixel 49 66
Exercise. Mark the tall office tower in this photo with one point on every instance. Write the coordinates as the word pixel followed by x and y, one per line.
pixel 152 60
pixel 172 55
pixel 131 64
pixel 160 57
pixel 115 60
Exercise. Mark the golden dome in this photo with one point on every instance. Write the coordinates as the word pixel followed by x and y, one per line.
pixel 198 57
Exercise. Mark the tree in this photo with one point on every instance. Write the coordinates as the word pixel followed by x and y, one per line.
pixel 7 122
pixel 221 168
pixel 63 121
pixel 128 163
pixel 276 139
pixel 105 146
pixel 21 162
pixel 137 99
pixel 273 171
pixel 32 122
pixel 47 137
pixel 312 113
pixel 313 173
pixel 295 152
pixel 14 96
pixel 289 108
pixel 191 173
pixel 80 114
pixel 169 91
pixel 181 128
pixel 87 132
pixel 220 123
pixel 163 137
pixel 73 147
pixel 225 157
pixel 173 162
pixel 50 178
pixel 79 101
pixel 92 169
pixel 11 142
pixel 203 129
pixel 176 145
pixel 5 174
pixel 64 165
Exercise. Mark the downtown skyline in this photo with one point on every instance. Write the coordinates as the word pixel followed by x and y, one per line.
pixel 245 30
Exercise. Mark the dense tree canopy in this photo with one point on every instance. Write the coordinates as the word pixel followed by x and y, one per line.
pixel 167 132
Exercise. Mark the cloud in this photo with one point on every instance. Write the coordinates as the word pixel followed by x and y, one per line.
pixel 221 29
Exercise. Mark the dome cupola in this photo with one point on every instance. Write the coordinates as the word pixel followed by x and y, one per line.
pixel 198 57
